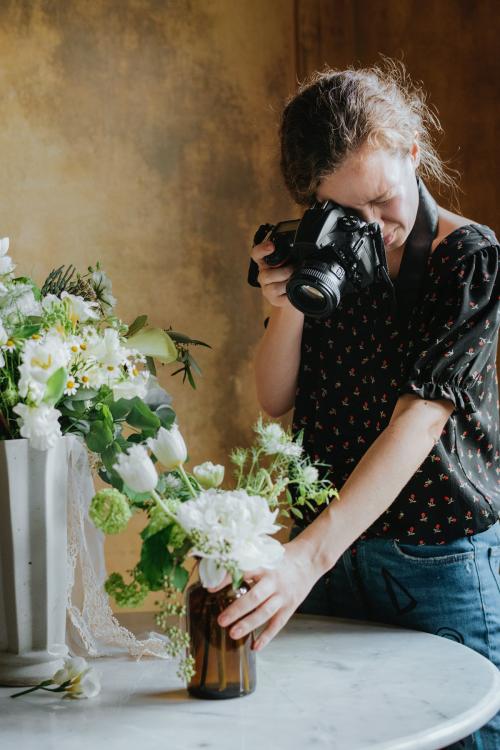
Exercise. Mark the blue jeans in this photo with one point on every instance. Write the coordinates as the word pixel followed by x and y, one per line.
pixel 451 590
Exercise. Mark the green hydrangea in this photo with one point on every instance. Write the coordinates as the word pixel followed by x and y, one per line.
pixel 126 595
pixel 110 511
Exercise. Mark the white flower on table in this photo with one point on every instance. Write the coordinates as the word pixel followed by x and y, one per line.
pixel 75 679
pixel 136 469
pixel 230 527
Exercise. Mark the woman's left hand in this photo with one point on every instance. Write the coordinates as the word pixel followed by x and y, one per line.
pixel 273 598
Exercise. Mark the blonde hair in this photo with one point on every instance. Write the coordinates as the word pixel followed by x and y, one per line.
pixel 334 112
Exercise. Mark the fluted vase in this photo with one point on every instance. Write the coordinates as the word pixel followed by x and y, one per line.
pixel 33 570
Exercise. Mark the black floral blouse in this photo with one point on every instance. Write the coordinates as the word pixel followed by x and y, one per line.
pixel 356 364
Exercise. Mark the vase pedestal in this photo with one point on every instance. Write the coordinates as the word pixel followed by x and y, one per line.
pixel 33 564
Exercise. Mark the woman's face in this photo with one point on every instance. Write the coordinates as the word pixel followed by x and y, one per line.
pixel 378 186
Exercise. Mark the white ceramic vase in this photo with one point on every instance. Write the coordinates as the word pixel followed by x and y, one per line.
pixel 33 568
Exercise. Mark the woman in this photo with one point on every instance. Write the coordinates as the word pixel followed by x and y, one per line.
pixel 403 409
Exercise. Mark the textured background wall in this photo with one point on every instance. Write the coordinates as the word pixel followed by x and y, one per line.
pixel 142 133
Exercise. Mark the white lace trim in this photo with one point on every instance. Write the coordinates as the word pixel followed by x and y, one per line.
pixel 92 629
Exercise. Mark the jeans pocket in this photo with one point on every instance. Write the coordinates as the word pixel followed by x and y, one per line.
pixel 494 561
pixel 431 554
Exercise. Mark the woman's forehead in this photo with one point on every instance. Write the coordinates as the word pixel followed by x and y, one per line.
pixel 365 176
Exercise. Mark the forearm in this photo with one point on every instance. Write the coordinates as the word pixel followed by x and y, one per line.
pixel 377 480
pixel 277 360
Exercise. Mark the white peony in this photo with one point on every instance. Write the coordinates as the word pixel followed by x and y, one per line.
pixel 40 424
pixel 233 527
pixel 40 359
pixel 169 447
pixel 209 474
pixel 106 350
pixel 18 301
pixel 136 469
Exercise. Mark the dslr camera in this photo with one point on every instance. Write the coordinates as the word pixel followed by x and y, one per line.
pixel 334 253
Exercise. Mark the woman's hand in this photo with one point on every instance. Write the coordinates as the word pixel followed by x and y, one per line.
pixel 272 280
pixel 273 598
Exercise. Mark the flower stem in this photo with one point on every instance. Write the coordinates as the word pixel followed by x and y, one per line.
pixel 41 686
pixel 186 480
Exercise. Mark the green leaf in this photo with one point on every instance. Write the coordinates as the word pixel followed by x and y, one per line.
pixel 99 437
pixel 296 512
pixel 121 408
pixel 154 342
pixel 156 561
pixel 142 417
pixel 85 394
pixel 166 415
pixel 25 331
pixel 150 363
pixel 180 577
pixel 136 326
pixel 181 338
pixel 54 387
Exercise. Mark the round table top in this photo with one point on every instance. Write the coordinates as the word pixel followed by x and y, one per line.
pixel 322 683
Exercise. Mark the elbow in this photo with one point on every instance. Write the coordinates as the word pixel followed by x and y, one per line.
pixel 274 407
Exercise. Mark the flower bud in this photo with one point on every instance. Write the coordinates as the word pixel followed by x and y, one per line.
pixel 209 475
pixel 169 447
pixel 136 469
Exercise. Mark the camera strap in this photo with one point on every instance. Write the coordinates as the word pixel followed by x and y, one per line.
pixel 409 281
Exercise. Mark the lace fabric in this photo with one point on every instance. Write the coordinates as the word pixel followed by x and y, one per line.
pixel 91 627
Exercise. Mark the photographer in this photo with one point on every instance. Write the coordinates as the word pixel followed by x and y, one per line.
pixel 401 404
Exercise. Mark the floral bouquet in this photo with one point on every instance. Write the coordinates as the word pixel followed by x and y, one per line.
pixel 69 365
pixel 190 515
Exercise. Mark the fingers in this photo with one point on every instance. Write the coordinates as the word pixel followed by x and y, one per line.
pixel 269 276
pixel 259 252
pixel 257 618
pixel 276 623
pixel 247 603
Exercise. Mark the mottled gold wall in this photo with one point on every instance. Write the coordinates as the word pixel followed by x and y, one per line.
pixel 142 133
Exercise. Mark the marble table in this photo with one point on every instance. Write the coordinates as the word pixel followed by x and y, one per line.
pixel 322 683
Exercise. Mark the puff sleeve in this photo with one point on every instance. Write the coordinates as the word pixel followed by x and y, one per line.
pixel 454 331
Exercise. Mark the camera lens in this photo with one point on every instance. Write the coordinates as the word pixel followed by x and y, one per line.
pixel 315 288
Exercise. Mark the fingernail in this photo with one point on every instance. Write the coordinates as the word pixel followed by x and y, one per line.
pixel 223 621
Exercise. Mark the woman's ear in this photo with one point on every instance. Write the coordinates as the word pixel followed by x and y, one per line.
pixel 415 151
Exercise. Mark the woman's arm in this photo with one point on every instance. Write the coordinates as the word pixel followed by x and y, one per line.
pixel 277 360
pixel 377 480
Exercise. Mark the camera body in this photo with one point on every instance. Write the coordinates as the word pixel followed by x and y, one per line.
pixel 334 253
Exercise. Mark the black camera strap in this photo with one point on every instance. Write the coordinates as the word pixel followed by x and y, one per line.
pixel 408 283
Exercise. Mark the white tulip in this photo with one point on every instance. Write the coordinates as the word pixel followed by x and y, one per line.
pixel 136 469
pixel 209 475
pixel 169 447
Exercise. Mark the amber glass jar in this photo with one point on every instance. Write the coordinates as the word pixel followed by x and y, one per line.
pixel 225 667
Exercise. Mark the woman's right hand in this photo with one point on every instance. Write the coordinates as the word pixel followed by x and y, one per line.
pixel 272 280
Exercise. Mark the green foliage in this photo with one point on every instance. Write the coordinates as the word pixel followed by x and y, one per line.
pixel 55 385
pixel 156 561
